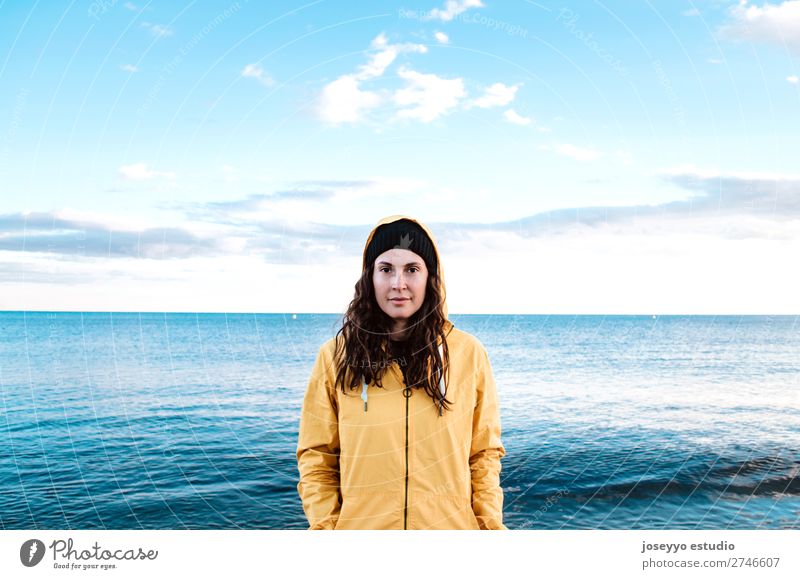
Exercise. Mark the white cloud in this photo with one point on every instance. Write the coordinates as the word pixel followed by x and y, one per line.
pixel 631 272
pixel 513 116
pixel 714 173
pixel 497 95
pixel 158 30
pixel 141 172
pixel 425 97
pixel 453 8
pixel 230 172
pixel 316 201
pixel 428 96
pixel 344 101
pixel 714 252
pixel 256 72
pixel 386 55
pixel 577 153
pixel 773 23
pixel 441 37
pixel 688 264
pixel 793 79
pixel 691 12
pixel 377 64
pixel 389 188
pixel 129 68
pixel 772 195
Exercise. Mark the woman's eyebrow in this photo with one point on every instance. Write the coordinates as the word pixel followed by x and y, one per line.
pixel 409 263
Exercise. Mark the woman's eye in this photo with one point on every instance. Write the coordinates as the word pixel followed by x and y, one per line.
pixel 384 269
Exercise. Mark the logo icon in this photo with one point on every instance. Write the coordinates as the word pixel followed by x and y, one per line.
pixel 31 552
pixel 405 242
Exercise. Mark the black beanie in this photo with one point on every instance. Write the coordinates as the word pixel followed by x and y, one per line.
pixel 402 234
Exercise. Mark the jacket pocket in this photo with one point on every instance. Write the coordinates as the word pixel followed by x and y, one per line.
pixel 444 512
pixel 373 511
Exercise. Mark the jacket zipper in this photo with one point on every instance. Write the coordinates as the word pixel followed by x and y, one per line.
pixel 405 504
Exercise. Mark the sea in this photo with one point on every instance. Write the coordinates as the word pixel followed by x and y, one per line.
pixel 189 420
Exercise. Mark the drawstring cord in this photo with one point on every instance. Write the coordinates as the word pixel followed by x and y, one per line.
pixel 441 380
pixel 365 386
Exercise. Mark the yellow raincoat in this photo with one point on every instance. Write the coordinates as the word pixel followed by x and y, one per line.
pixel 400 465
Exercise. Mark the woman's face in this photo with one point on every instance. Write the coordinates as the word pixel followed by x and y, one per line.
pixel 399 279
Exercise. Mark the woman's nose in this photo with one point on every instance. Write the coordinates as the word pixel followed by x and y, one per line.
pixel 398 280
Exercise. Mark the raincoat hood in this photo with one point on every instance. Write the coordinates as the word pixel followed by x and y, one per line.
pixel 448 325
pixel 439 269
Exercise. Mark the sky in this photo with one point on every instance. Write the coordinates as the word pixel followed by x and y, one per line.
pixel 570 157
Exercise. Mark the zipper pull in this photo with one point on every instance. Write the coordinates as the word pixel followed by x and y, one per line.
pixel 364 395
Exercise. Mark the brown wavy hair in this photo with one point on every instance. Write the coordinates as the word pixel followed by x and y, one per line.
pixel 362 354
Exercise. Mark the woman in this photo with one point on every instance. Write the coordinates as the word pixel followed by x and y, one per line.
pixel 400 427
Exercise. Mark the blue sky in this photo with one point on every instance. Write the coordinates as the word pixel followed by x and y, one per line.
pixel 571 157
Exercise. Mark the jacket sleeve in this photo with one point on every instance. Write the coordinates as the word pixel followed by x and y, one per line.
pixel 318 447
pixel 486 450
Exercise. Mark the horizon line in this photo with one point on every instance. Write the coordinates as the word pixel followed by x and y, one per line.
pixel 299 313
